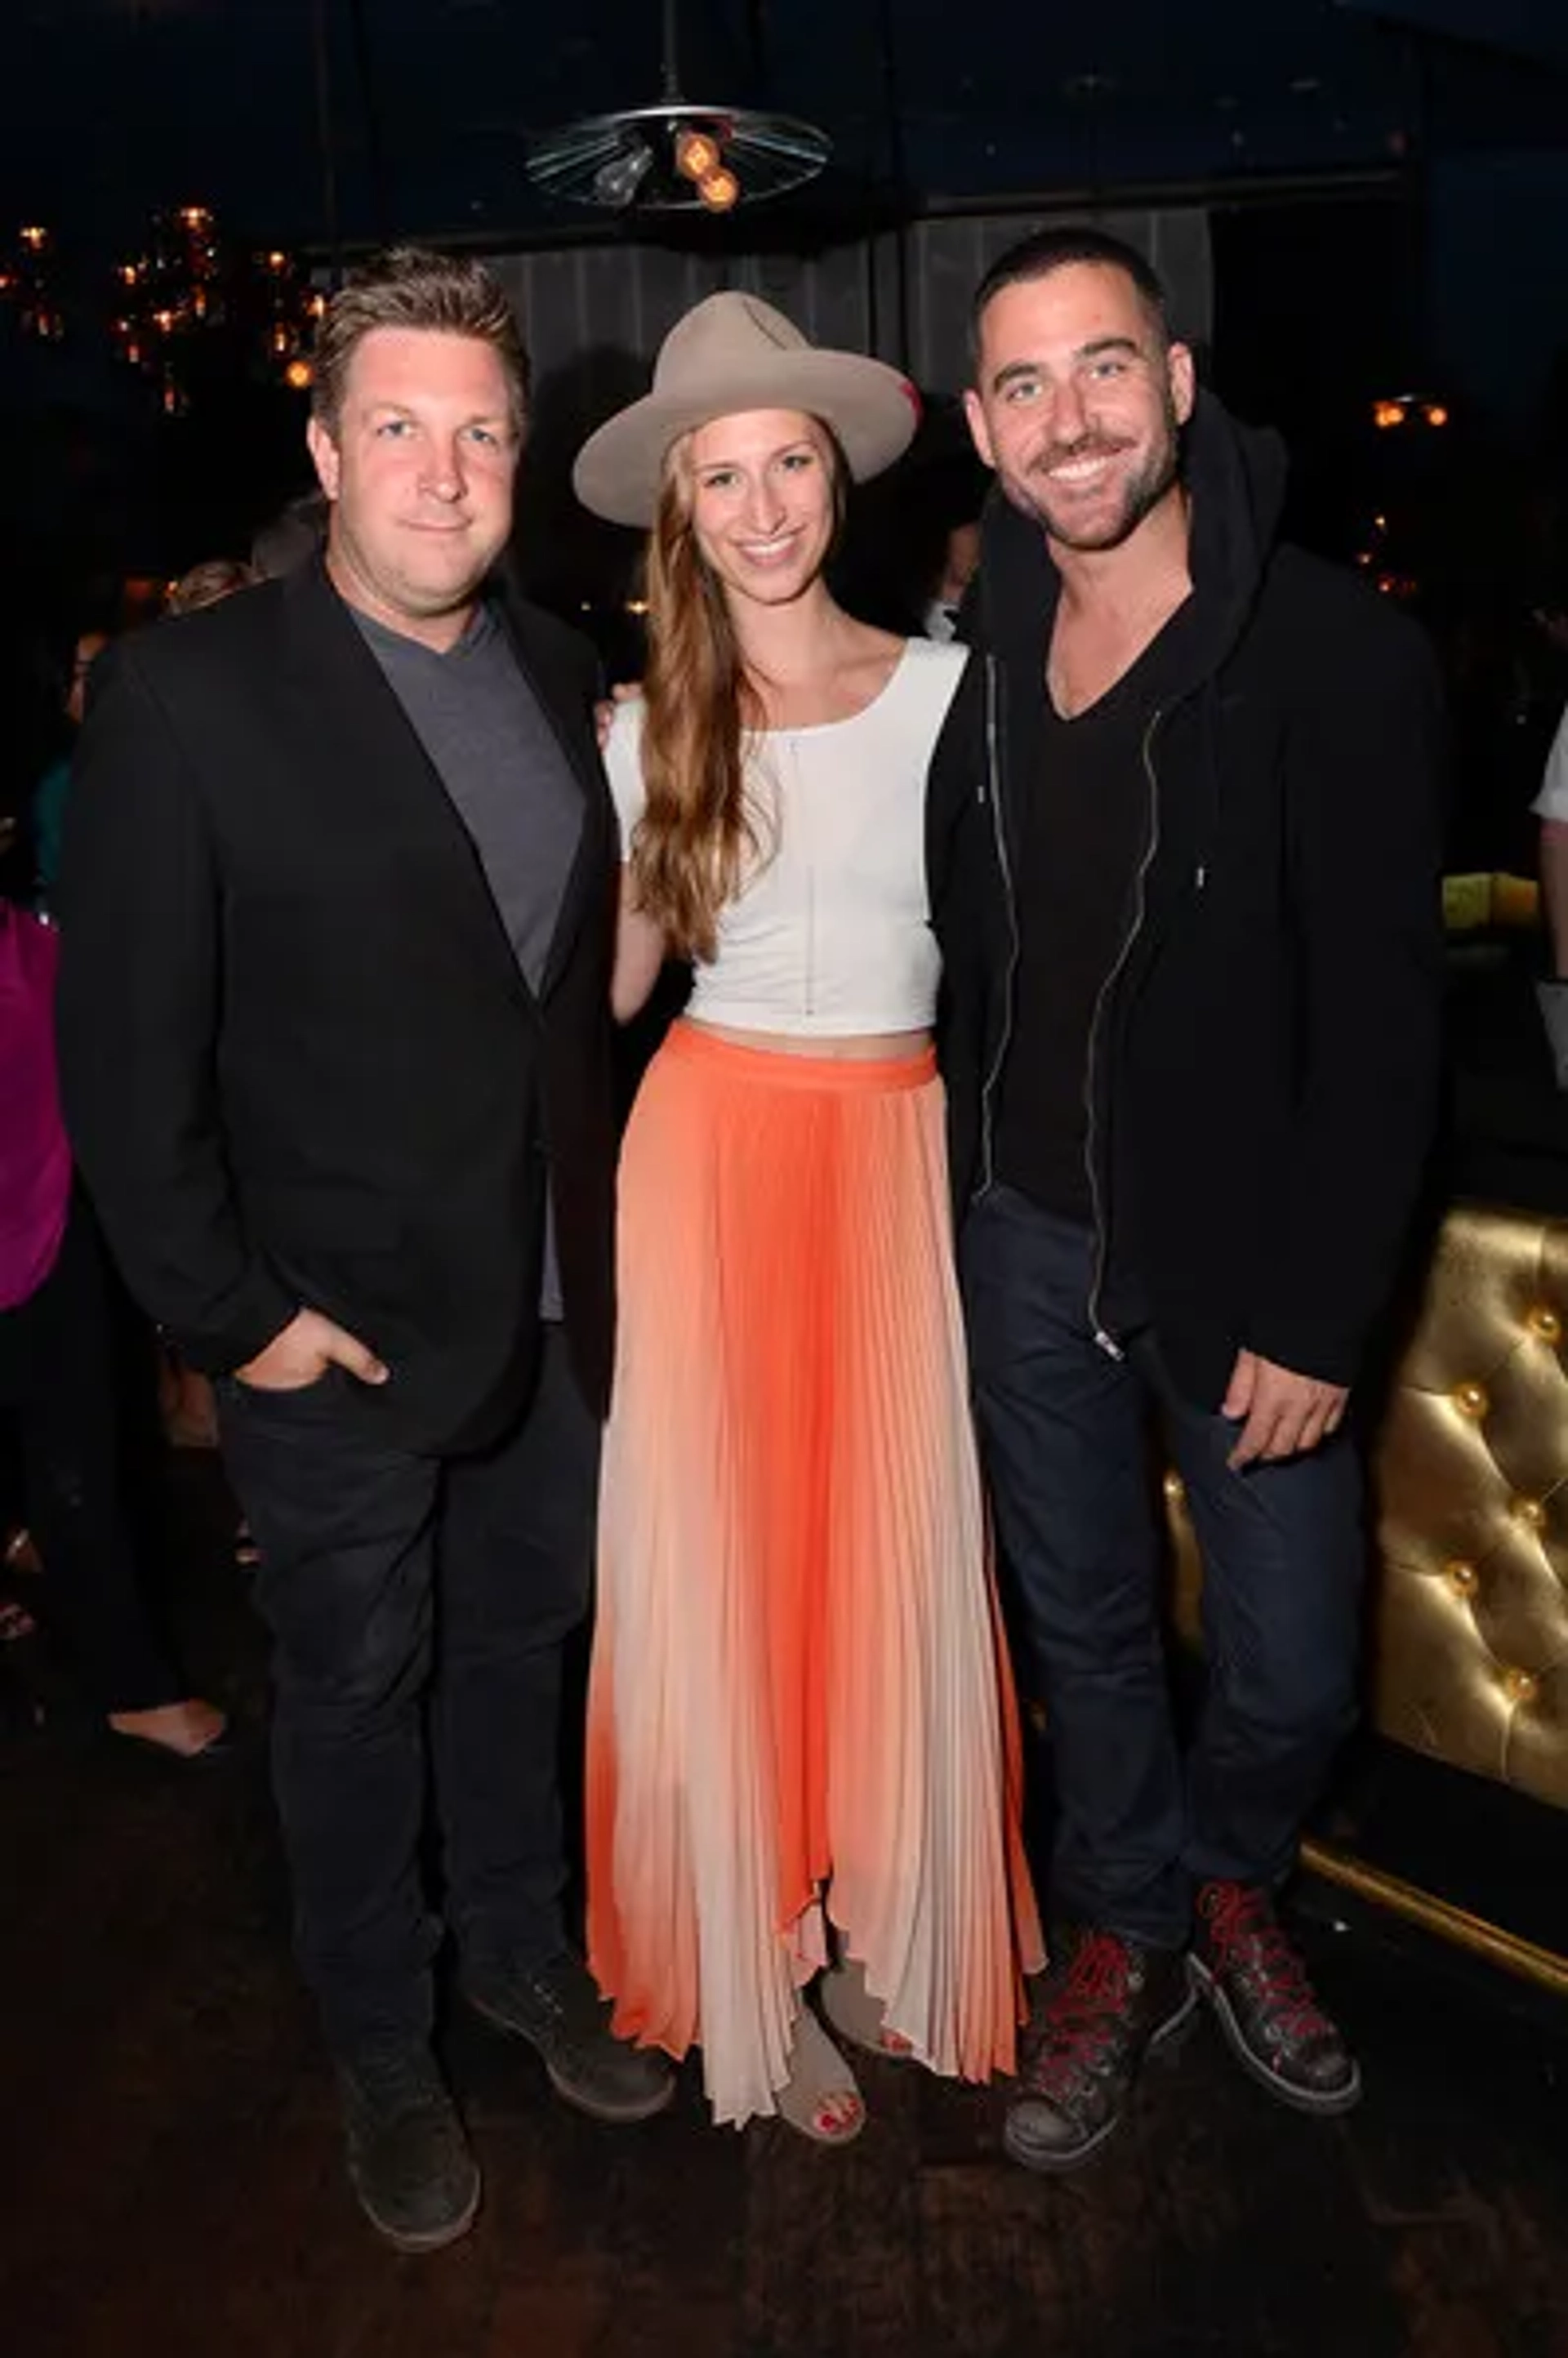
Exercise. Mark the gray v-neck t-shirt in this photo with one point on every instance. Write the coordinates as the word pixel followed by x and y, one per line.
pixel 495 752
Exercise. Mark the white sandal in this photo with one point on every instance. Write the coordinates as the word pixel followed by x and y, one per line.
pixel 856 2015
pixel 820 2098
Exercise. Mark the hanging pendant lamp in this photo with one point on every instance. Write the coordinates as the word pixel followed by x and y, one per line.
pixel 676 156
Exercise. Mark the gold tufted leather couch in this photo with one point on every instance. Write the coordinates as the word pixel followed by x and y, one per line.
pixel 1471 1482
pixel 1469 1486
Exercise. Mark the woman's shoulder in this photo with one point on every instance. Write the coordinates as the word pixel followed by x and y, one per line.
pixel 937 659
pixel 626 727
pixel 623 761
pixel 926 681
pixel 623 746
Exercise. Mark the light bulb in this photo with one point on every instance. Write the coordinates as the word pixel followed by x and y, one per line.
pixel 696 156
pixel 720 191
pixel 617 182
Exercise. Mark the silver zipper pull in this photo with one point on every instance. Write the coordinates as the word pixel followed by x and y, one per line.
pixel 1108 1345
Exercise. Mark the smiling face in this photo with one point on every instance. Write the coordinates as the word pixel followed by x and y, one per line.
pixel 1079 402
pixel 764 501
pixel 420 469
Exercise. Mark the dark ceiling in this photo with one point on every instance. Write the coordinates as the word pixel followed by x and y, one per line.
pixel 300 120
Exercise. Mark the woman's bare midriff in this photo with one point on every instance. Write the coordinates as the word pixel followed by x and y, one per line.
pixel 865 1047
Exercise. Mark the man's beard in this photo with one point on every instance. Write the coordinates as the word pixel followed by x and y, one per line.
pixel 1142 493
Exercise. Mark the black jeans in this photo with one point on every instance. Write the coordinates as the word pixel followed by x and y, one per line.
pixel 1064 1436
pixel 420 1610
pixel 58 1375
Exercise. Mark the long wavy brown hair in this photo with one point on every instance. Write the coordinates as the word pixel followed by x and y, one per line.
pixel 698 832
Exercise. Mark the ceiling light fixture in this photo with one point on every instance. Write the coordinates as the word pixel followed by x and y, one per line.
pixel 676 156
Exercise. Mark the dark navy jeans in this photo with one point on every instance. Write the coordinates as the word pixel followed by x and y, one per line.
pixel 1066 1436
pixel 410 1595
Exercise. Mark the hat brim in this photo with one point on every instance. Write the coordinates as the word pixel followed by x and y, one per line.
pixel 871 409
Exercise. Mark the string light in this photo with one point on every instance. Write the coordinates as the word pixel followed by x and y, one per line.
pixel 188 282
pixel 168 293
pixel 1405 410
pixel 26 285
pixel 169 299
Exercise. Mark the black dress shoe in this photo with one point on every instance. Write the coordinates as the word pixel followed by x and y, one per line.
pixel 409 2161
pixel 1109 2004
pixel 1266 2008
pixel 557 2009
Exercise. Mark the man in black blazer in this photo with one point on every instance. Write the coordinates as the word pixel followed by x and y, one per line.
pixel 339 905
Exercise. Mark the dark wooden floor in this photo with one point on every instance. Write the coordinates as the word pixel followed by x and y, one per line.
pixel 169 2178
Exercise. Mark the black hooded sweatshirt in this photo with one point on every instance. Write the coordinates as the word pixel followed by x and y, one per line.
pixel 1261 1070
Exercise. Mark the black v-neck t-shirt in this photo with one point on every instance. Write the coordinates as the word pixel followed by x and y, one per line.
pixel 1083 811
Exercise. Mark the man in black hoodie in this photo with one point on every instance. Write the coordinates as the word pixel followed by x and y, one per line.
pixel 1183 861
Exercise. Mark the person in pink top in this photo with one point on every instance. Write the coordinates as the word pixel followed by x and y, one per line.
pixel 56 1377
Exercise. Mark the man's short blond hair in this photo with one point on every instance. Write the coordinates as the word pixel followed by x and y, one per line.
pixel 410 286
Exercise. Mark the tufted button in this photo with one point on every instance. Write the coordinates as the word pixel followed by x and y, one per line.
pixel 1532 1512
pixel 1463 1576
pixel 1521 1686
pixel 1175 1489
pixel 1544 1324
pixel 1471 1401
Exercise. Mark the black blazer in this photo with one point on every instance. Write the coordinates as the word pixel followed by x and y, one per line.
pixel 300 1063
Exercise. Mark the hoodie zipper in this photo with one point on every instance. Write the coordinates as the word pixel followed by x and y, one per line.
pixel 1106 1340
pixel 1004 864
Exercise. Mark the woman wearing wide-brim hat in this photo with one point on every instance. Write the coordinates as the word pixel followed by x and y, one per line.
pixel 803 1747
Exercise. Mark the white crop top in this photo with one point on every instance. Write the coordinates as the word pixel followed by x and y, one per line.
pixel 829 933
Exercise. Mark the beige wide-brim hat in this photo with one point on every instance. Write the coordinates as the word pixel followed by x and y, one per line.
pixel 732 353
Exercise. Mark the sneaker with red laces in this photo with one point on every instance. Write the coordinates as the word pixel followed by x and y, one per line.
pixel 1108 2004
pixel 1256 1983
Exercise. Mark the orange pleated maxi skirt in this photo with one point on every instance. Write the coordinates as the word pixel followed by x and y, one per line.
pixel 800 1709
